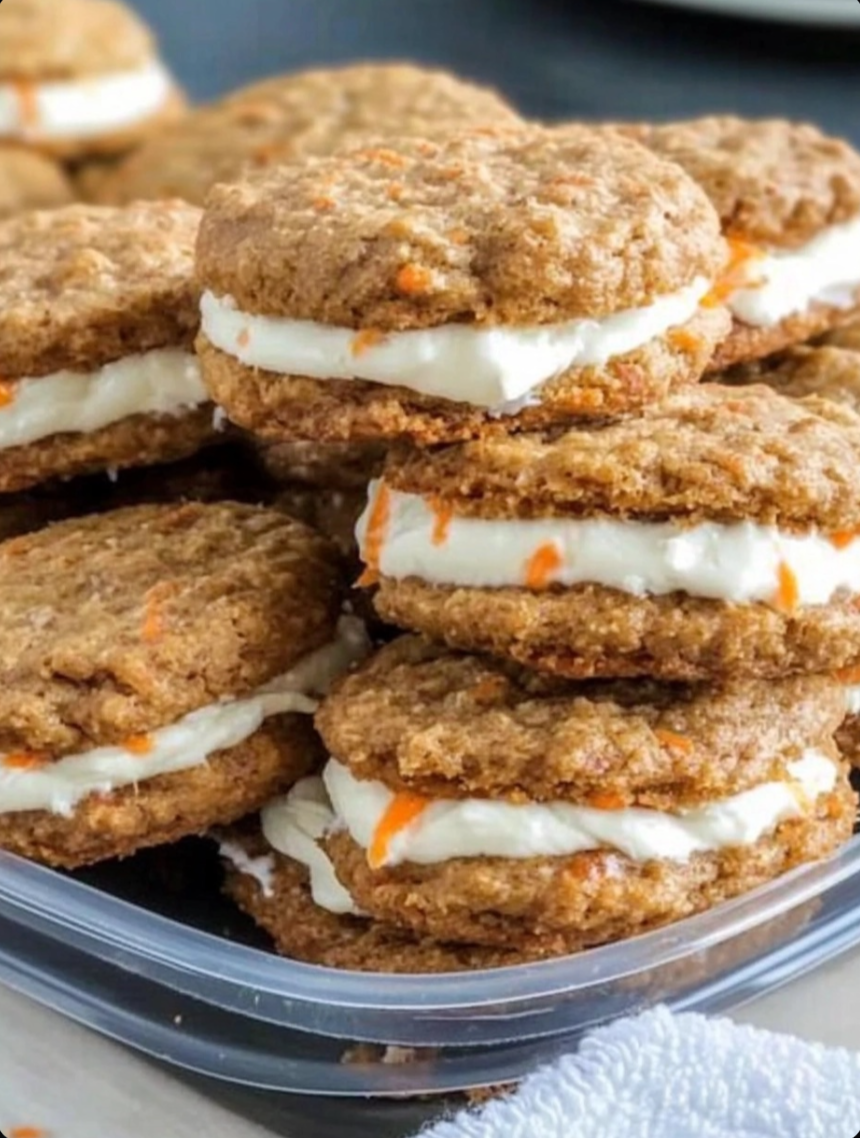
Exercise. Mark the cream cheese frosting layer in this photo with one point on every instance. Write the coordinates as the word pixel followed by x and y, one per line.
pixel 472 827
pixel 293 825
pixel 82 108
pixel 493 367
pixel 783 283
pixel 742 562
pixel 165 381
pixel 28 782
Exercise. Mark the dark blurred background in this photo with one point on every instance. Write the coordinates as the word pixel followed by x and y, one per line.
pixel 554 58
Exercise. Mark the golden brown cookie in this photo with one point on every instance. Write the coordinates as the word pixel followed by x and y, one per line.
pixel 711 536
pixel 153 663
pixel 31 181
pixel 495 281
pixel 848 337
pixel 788 197
pixel 829 372
pixel 334 466
pixel 274 890
pixel 98 312
pixel 81 77
pixel 294 116
pixel 471 802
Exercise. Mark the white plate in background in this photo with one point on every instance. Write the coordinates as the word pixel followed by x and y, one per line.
pixel 835 13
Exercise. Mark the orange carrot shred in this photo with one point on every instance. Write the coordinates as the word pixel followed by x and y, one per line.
pixel 741 253
pixel 787 594
pixel 28 102
pixel 395 191
pixel 384 155
pixel 402 811
pixel 443 515
pixel 842 538
pixel 544 562
pixel 7 393
pixel 138 744
pixel 848 675
pixel 27 1132
pixel 24 760
pixel 377 528
pixel 684 340
pixel 153 616
pixel 367 579
pixel 671 739
pixel 607 801
pixel 413 278
pixel 365 339
pixel 323 203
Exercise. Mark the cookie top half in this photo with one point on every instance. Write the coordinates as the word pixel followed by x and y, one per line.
pixel 30 181
pixel 69 39
pixel 709 453
pixel 507 226
pixel 445 724
pixel 85 285
pixel 292 116
pixel 119 624
pixel 773 182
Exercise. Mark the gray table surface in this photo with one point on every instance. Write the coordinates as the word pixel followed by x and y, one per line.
pixel 556 59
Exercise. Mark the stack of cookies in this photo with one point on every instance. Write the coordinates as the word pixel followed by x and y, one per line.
pixel 634 594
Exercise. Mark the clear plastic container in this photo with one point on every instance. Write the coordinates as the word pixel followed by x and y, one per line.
pixel 173 970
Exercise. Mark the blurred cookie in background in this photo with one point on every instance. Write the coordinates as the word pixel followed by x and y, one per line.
pixel 292 116
pixel 31 181
pixel 788 197
pixel 81 77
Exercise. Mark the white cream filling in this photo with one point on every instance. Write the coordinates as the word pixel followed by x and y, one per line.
pixel 470 828
pixel 491 367
pixel 82 108
pixel 165 381
pixel 737 562
pixel 293 825
pixel 262 869
pixel 59 786
pixel 852 699
pixel 824 271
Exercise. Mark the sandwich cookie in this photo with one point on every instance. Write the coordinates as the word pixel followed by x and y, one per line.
pixel 788 197
pixel 472 802
pixel 81 77
pixel 711 536
pixel 495 281
pixel 98 313
pixel 848 337
pixel 829 372
pixel 289 117
pixel 158 670
pixel 31 181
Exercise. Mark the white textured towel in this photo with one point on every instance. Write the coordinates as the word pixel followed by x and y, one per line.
pixel 665 1076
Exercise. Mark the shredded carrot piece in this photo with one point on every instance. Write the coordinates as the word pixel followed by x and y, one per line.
pixel 607 801
pixel 153 615
pixel 384 155
pixel 741 253
pixel 684 340
pixel 402 812
pixel 545 561
pixel 377 528
pixel 323 203
pixel 787 594
pixel 27 1132
pixel 138 744
pixel 366 338
pixel 7 393
pixel 395 191
pixel 842 538
pixel 488 689
pixel 848 675
pixel 244 338
pixel 413 278
pixel 443 515
pixel 670 739
pixel 25 760
pixel 28 102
